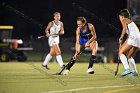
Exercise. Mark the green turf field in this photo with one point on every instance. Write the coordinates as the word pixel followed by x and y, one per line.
pixel 29 78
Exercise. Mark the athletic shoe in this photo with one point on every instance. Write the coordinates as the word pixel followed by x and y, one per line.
pixel 134 74
pixel 126 72
pixel 90 71
pixel 45 67
pixel 66 72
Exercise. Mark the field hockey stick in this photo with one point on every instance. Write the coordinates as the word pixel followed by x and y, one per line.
pixel 39 37
pixel 118 62
pixel 68 63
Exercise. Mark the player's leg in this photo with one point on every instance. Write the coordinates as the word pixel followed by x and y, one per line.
pixel 58 55
pixel 48 58
pixel 92 60
pixel 125 47
pixel 131 61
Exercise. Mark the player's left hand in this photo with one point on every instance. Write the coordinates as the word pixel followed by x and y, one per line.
pixel 75 56
pixel 120 40
pixel 57 32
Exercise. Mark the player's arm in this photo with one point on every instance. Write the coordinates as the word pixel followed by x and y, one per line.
pixel 124 25
pixel 47 29
pixel 61 32
pixel 91 27
pixel 77 44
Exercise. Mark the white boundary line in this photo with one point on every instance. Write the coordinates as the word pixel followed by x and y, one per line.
pixel 17 72
pixel 87 88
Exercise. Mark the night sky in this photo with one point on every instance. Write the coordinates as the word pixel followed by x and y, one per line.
pixel 30 17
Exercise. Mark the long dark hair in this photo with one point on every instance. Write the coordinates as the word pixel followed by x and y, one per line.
pixel 125 13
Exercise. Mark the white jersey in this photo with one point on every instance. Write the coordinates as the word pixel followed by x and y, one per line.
pixel 132 29
pixel 55 28
pixel 53 31
pixel 133 34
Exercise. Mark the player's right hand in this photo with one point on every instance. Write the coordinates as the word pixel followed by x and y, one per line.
pixel 47 35
pixel 75 55
pixel 120 40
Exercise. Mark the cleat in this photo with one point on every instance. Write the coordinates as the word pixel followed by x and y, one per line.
pixel 90 71
pixel 126 72
pixel 62 70
pixel 45 67
pixel 134 74
pixel 66 72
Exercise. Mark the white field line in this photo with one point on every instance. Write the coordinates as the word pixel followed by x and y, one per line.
pixel 17 72
pixel 87 88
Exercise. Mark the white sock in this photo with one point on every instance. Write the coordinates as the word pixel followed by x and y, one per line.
pixel 47 59
pixel 59 60
pixel 124 61
pixel 132 64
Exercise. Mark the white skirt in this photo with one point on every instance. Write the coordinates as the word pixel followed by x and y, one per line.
pixel 53 40
pixel 134 41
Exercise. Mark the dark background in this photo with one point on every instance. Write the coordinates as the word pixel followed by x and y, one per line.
pixel 30 17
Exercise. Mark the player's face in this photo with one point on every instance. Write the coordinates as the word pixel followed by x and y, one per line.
pixel 121 18
pixel 80 24
pixel 57 17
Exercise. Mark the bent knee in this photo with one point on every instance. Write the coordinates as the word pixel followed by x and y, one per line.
pixel 120 53
pixel 128 56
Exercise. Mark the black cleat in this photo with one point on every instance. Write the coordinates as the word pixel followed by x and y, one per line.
pixel 45 67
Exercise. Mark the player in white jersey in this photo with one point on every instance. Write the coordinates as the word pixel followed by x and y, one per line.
pixel 131 44
pixel 53 30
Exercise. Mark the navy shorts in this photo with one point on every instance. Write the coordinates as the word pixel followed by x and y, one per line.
pixel 83 41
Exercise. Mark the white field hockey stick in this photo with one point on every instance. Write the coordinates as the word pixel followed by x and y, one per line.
pixel 39 37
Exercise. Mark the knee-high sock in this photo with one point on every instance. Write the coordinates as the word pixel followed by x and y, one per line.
pixel 132 64
pixel 124 61
pixel 59 60
pixel 47 59
pixel 92 61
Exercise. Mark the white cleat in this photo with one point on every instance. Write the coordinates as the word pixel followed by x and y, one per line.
pixel 90 71
pixel 65 72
